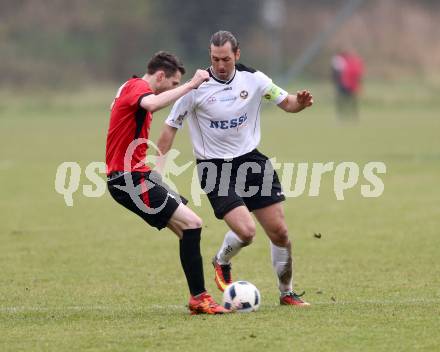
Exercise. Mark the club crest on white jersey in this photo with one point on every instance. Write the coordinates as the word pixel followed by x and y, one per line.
pixel 224 116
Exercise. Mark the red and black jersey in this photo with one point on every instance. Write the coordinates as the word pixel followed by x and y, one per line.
pixel 128 122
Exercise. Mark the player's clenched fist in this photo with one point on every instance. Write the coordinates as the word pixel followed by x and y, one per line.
pixel 199 77
pixel 304 98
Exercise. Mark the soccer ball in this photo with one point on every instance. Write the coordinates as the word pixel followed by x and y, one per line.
pixel 242 297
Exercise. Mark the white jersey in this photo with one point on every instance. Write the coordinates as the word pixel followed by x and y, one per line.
pixel 224 116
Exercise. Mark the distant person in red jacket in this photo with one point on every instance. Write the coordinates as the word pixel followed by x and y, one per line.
pixel 348 69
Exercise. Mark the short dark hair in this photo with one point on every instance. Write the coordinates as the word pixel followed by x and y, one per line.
pixel 220 38
pixel 166 62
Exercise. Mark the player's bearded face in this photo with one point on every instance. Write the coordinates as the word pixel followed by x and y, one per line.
pixel 223 60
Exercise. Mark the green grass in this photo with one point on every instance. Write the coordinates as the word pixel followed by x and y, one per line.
pixel 94 278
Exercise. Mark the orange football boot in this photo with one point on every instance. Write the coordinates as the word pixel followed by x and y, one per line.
pixel 293 299
pixel 205 304
pixel 222 274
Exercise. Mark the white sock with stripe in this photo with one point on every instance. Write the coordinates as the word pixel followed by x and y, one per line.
pixel 283 266
pixel 230 247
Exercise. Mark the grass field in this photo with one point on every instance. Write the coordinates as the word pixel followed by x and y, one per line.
pixel 93 277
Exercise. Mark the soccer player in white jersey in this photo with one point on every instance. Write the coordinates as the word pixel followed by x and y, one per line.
pixel 223 115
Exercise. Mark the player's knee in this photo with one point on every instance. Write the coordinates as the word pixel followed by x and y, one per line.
pixel 280 235
pixel 193 222
pixel 247 233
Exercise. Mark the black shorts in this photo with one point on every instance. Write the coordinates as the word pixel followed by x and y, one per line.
pixel 146 195
pixel 249 180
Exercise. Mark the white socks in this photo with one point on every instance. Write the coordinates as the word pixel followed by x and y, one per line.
pixel 282 265
pixel 281 259
pixel 230 247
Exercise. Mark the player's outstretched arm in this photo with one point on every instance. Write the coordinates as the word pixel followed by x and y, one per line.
pixel 166 138
pixel 164 143
pixel 298 102
pixel 155 102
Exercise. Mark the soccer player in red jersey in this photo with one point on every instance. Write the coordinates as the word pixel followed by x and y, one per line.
pixel 131 182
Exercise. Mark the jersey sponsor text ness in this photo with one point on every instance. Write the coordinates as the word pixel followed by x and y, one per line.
pixel 226 124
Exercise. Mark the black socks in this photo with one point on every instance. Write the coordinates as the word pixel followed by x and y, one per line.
pixel 191 260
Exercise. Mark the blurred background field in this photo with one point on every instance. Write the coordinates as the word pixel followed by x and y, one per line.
pixel 94 278
pixel 59 43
